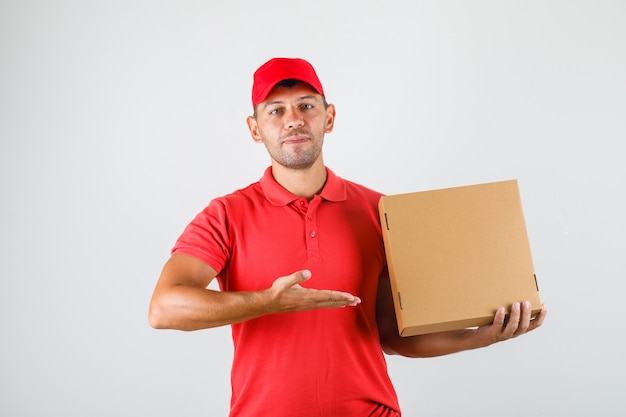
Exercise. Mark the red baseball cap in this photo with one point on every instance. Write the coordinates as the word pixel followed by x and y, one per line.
pixel 278 69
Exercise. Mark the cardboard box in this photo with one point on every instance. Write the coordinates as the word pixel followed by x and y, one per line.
pixel 456 255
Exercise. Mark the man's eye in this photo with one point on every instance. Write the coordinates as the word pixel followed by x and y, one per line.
pixel 306 106
pixel 275 111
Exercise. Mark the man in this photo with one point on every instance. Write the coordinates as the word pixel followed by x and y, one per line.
pixel 301 266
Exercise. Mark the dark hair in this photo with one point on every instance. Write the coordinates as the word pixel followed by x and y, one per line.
pixel 290 83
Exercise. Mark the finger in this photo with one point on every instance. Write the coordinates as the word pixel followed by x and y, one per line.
pixel 524 322
pixel 513 322
pixel 338 299
pixel 293 279
pixel 539 318
pixel 303 275
pixel 498 320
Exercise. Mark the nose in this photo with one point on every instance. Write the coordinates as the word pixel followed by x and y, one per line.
pixel 293 118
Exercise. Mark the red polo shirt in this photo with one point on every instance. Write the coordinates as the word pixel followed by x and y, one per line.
pixel 315 363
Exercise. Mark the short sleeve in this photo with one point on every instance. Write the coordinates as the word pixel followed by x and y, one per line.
pixel 206 237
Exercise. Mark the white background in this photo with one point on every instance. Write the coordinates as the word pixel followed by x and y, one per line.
pixel 120 120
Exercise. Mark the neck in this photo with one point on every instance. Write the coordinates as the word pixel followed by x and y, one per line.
pixel 305 182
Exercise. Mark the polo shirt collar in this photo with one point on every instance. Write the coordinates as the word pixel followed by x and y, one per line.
pixel 334 189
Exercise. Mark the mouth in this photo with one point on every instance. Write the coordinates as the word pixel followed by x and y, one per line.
pixel 295 139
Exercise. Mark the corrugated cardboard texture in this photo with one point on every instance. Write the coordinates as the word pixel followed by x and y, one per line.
pixel 455 255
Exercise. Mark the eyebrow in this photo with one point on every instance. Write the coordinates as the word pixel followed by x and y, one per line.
pixel 301 98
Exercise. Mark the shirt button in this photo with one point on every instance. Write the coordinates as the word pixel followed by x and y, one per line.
pixel 313 233
pixel 310 217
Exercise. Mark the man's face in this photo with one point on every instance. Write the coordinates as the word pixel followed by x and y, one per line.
pixel 291 122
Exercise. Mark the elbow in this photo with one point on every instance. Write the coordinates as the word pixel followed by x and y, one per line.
pixel 409 347
pixel 157 317
pixel 389 348
pixel 391 351
pixel 386 347
pixel 163 316
pixel 388 351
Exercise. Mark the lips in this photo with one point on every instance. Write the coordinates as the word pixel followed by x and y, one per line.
pixel 296 138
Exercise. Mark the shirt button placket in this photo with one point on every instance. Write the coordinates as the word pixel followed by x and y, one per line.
pixel 310 225
pixel 311 229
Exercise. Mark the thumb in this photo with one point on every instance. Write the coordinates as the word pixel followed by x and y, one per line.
pixel 304 275
pixel 299 277
pixel 293 280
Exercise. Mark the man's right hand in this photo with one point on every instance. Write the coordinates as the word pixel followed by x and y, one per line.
pixel 287 295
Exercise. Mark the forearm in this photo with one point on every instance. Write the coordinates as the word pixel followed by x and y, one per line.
pixel 436 344
pixel 191 308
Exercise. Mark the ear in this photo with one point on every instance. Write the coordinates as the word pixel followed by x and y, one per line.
pixel 330 118
pixel 254 129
